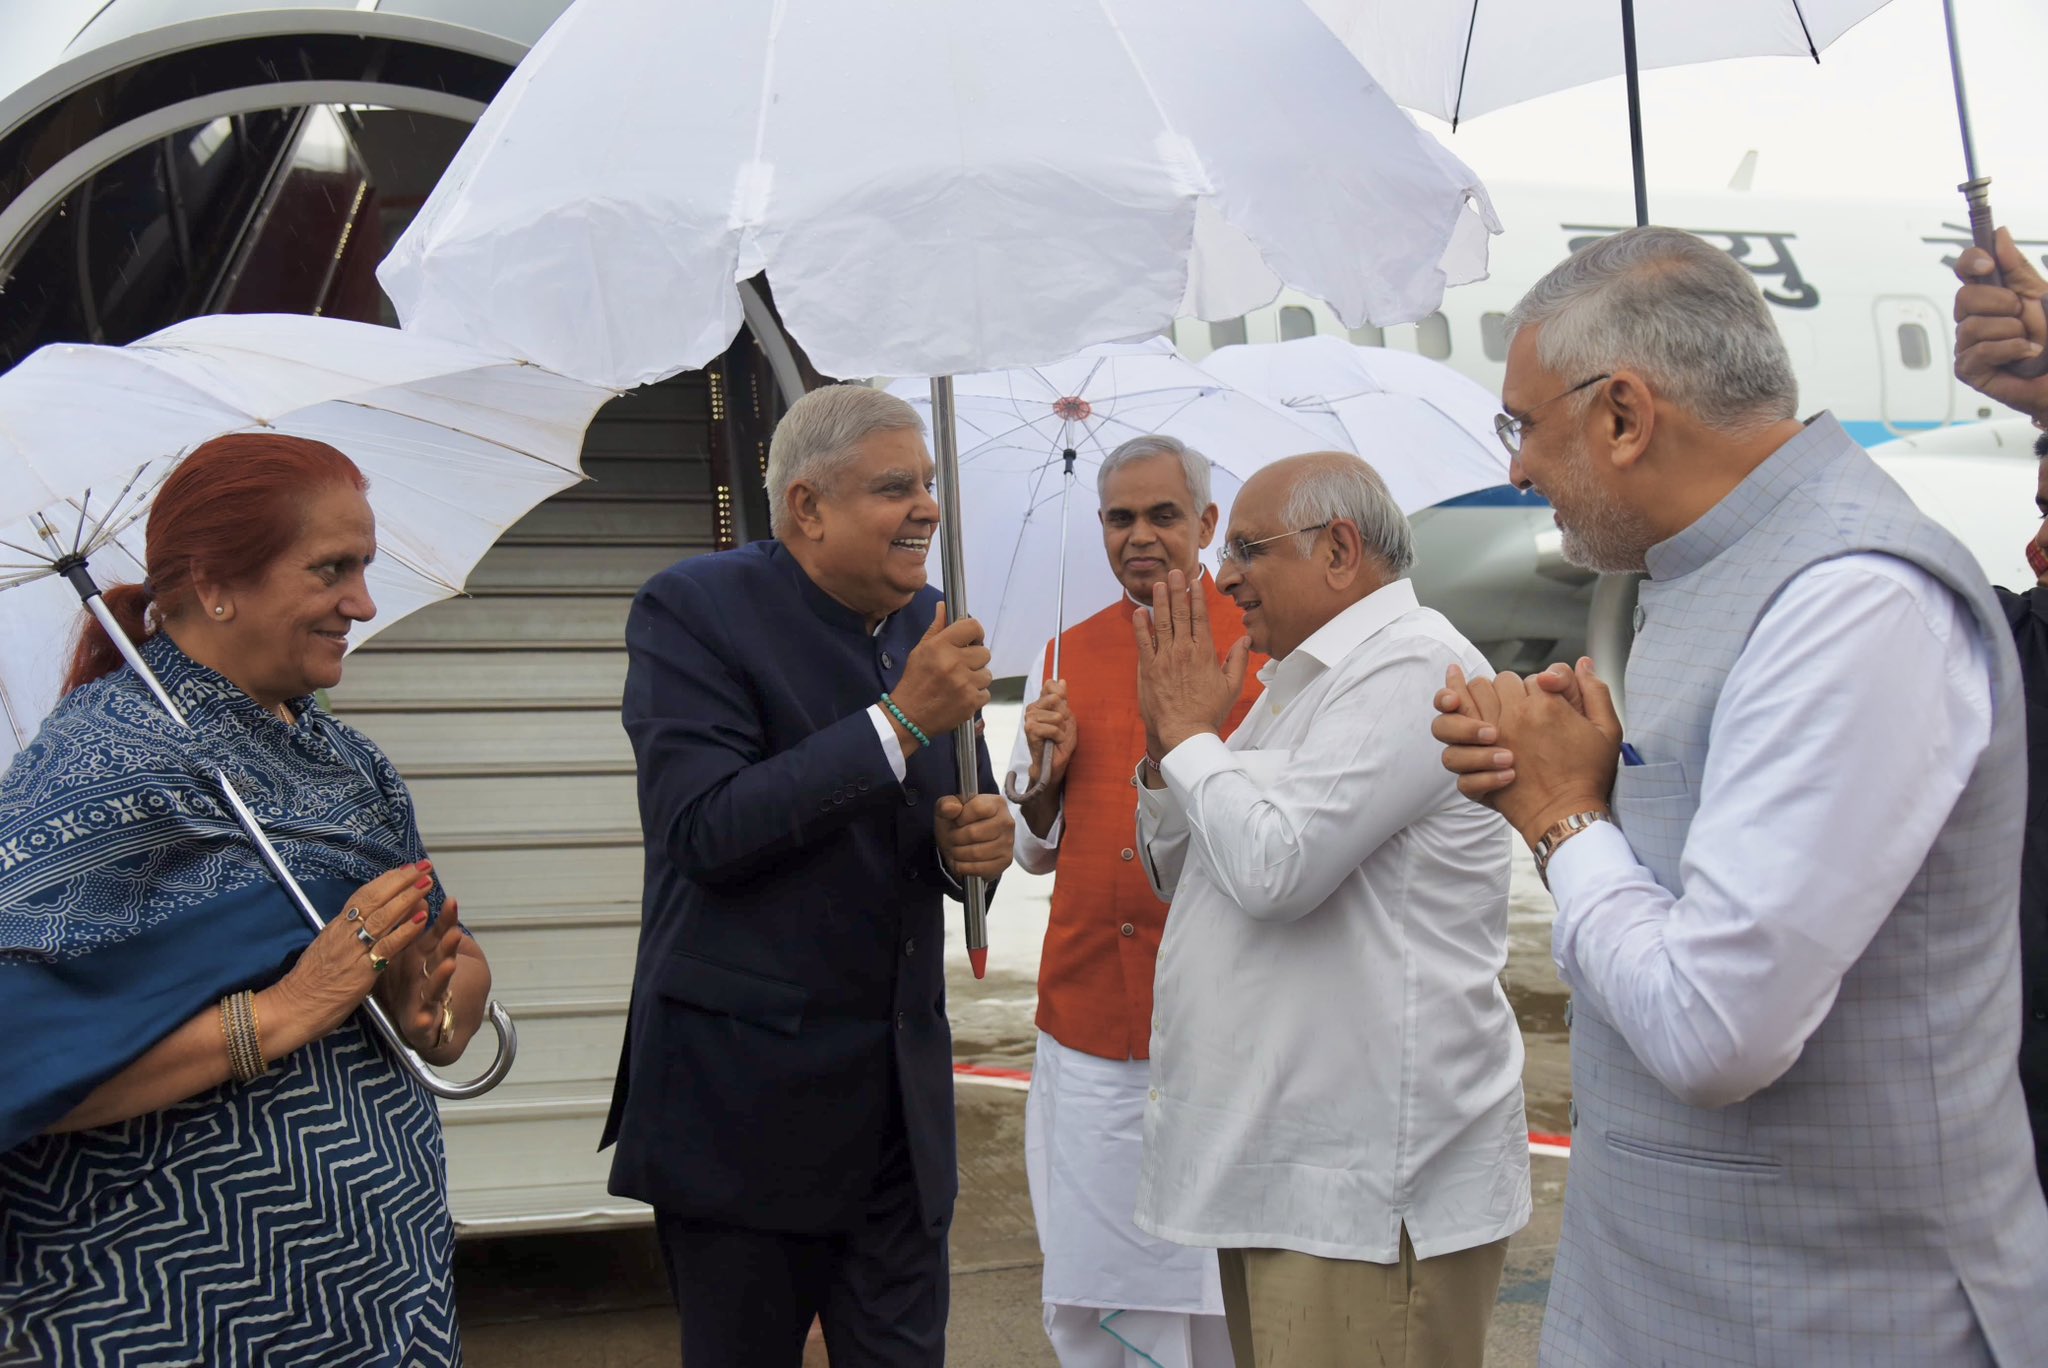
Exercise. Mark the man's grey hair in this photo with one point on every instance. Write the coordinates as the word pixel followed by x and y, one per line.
pixel 815 440
pixel 1345 487
pixel 1193 464
pixel 1677 309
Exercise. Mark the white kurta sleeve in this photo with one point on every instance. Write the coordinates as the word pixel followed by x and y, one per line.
pixel 1843 736
pixel 1162 835
pixel 1279 830
pixel 1034 854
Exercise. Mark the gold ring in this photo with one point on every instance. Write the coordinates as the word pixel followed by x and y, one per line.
pixel 355 914
pixel 378 964
pixel 447 1024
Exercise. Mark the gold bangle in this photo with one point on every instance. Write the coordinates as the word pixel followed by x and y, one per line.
pixel 245 1045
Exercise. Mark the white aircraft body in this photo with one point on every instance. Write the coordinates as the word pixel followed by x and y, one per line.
pixel 1861 291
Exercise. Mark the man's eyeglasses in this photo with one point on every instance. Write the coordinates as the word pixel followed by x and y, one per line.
pixel 1510 428
pixel 1239 550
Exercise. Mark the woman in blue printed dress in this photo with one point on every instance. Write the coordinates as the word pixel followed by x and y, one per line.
pixel 206 1157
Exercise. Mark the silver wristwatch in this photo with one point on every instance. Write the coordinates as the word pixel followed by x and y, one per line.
pixel 1561 831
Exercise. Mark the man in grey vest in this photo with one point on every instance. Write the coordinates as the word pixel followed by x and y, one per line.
pixel 1787 905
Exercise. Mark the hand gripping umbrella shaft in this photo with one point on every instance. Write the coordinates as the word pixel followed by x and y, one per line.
pixel 1059 629
pixel 953 558
pixel 1977 189
pixel 501 1021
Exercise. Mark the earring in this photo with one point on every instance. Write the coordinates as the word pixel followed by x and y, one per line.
pixel 218 610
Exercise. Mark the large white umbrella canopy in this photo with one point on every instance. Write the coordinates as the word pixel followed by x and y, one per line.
pixel 931 187
pixel 457 445
pixel 1458 59
pixel 1015 427
pixel 1427 429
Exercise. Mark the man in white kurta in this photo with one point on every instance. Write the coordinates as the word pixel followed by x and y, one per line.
pixel 1336 1100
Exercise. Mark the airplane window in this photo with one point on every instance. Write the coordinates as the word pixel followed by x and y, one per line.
pixel 1493 336
pixel 1296 321
pixel 1433 337
pixel 1228 333
pixel 1913 348
pixel 1369 336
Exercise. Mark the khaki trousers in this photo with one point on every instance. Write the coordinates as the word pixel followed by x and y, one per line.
pixel 1290 1310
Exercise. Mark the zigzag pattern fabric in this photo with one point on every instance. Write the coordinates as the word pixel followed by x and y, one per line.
pixel 298 1220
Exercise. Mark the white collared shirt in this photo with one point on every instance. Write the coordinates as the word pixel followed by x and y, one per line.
pixel 1332 1053
pixel 1843 736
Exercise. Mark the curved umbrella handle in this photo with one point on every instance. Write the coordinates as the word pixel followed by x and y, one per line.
pixel 508 1050
pixel 1038 785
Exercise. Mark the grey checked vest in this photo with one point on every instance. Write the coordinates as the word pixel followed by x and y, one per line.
pixel 1877 1204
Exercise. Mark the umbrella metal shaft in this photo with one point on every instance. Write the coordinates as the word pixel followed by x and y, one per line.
pixel 501 1021
pixel 953 565
pixel 1955 71
pixel 1977 189
pixel 1634 76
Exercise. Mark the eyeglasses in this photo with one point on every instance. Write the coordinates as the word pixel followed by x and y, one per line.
pixel 1510 428
pixel 1239 550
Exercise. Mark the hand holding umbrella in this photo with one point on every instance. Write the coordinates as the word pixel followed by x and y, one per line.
pixel 1991 266
pixel 2002 327
pixel 945 683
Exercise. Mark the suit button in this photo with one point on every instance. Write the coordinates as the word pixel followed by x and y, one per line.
pixel 2041 1014
pixel 910 946
pixel 888 661
pixel 1129 853
pixel 824 805
pixel 899 1021
pixel 1152 1093
pixel 910 795
pixel 862 786
pixel 1128 929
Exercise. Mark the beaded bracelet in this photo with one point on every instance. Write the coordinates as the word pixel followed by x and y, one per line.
pixel 907 724
pixel 245 1047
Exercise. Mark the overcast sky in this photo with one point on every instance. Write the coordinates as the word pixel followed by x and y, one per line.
pixel 1876 117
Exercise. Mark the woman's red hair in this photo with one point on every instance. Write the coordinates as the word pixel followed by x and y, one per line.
pixel 228 510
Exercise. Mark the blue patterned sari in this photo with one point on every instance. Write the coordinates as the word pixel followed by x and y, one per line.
pixel 299 1219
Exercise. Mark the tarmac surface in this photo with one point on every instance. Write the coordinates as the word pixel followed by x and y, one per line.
pixel 601 1298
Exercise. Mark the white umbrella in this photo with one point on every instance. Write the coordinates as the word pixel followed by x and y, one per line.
pixel 1028 553
pixel 931 187
pixel 1458 59
pixel 457 445
pixel 1425 428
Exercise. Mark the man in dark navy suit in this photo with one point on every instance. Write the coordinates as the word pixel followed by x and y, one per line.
pixel 785 1095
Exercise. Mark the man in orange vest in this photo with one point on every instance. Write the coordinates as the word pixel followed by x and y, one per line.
pixel 1114 1296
